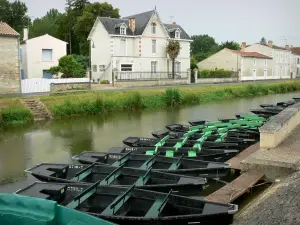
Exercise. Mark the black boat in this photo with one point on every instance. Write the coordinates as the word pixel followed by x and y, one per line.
pixel 116 176
pixel 183 166
pixel 264 112
pixel 132 205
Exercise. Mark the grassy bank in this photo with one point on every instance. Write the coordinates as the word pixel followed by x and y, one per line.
pixel 98 103
pixel 89 103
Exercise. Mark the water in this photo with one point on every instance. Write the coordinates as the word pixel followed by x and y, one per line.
pixel 57 141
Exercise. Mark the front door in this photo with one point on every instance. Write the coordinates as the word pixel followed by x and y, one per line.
pixel 254 74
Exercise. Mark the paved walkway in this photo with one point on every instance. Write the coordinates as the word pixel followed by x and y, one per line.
pixel 279 205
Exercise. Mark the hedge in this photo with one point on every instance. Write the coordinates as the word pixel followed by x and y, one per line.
pixel 219 73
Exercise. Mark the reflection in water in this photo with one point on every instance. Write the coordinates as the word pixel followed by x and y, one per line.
pixel 21 148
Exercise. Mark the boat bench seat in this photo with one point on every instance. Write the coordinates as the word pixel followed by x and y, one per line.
pixel 154 210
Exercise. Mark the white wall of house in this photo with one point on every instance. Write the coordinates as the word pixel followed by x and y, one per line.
pixel 256 68
pixel 23 60
pixel 281 59
pixel 35 62
pixel 224 59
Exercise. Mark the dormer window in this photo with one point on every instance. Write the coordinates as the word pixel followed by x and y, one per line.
pixel 123 30
pixel 177 34
pixel 153 28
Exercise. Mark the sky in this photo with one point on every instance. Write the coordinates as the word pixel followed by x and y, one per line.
pixel 238 20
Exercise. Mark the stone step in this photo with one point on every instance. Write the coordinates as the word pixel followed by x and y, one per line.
pixel 38 109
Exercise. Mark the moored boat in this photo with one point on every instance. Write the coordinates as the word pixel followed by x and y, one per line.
pixel 184 166
pixel 132 205
pixel 20 209
pixel 116 176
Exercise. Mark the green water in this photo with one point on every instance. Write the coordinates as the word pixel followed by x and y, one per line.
pixel 57 141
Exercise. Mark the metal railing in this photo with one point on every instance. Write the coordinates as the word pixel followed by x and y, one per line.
pixel 137 76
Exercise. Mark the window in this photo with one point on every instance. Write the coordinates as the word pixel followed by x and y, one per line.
pixel 101 67
pixel 153 28
pixel 281 57
pixel 266 62
pixel 47 55
pixel 286 58
pixel 126 67
pixel 177 67
pixel 47 74
pixel 298 71
pixel 123 30
pixel 154 67
pixel 298 61
pixel 254 62
pixel 177 34
pixel 95 68
pixel 154 46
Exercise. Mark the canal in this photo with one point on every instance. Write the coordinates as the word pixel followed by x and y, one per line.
pixel 59 140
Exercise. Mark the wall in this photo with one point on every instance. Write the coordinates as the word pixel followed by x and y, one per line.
pixel 34 54
pixel 224 59
pixel 217 80
pixel 9 65
pixel 248 67
pixel 24 62
pixel 154 83
pixel 68 86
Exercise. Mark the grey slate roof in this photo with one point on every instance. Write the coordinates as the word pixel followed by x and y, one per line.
pixel 141 21
pixel 173 27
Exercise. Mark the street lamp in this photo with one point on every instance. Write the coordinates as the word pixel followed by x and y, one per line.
pixel 92 45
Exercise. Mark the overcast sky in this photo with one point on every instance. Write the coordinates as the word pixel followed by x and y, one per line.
pixel 238 20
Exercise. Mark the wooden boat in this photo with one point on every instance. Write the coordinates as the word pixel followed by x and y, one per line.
pixel 24 210
pixel 183 166
pixel 116 176
pixel 197 122
pixel 296 99
pixel 132 205
pixel 264 112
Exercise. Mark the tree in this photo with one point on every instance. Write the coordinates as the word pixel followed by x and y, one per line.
pixel 231 45
pixel 83 60
pixel 263 41
pixel 173 50
pixel 85 22
pixel 203 43
pixel 14 14
pixel 193 63
pixel 69 68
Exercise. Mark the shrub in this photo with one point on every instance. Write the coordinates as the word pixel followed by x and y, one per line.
pixel 69 67
pixel 16 116
pixel 173 97
pixel 218 73
pixel 104 82
pixel 133 101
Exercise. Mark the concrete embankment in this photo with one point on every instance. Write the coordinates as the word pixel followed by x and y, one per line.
pixel 279 159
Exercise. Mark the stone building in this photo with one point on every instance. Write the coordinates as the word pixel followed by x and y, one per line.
pixel 9 60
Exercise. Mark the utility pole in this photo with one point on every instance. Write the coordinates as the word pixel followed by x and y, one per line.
pixel 69 3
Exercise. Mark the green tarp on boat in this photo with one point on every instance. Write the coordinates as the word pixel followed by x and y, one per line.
pixel 23 210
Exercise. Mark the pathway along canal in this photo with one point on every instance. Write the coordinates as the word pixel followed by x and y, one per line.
pixel 57 141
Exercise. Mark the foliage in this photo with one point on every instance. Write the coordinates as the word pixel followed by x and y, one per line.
pixel 15 14
pixel 55 70
pixel 230 44
pixel 69 67
pixel 16 116
pixel 95 103
pixel 104 82
pixel 203 44
pixel 193 63
pixel 173 50
pixel 85 22
pixel 83 60
pixel 200 56
pixel 219 73
pixel 263 41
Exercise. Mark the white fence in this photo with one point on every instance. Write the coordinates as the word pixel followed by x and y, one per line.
pixel 37 85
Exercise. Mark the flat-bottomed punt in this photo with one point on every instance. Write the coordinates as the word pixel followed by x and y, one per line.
pixel 132 205
pixel 116 176
pixel 182 166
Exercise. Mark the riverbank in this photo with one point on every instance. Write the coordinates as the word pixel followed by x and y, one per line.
pixel 91 103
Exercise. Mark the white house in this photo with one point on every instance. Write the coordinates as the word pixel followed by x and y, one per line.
pixel 136 45
pixel 296 61
pixel 39 54
pixel 281 58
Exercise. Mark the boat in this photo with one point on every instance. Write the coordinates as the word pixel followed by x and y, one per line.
pixel 182 166
pixel 132 205
pixel 264 112
pixel 21 209
pixel 296 99
pixel 197 122
pixel 115 176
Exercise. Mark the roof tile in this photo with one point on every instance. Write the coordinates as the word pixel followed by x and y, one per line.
pixel 250 54
pixel 296 50
pixel 6 30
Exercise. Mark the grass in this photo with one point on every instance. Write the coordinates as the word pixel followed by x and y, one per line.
pixel 15 116
pixel 98 103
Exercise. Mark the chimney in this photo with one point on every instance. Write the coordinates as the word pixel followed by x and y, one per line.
pixel 243 46
pixel 287 47
pixel 174 22
pixel 132 24
pixel 270 43
pixel 25 37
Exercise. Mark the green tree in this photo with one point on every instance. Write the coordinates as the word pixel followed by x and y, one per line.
pixel 69 68
pixel 193 63
pixel 49 24
pixel 200 56
pixel 15 14
pixel 86 21
pixel 203 43
pixel 263 41
pixel 173 50
pixel 83 60
pixel 231 45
